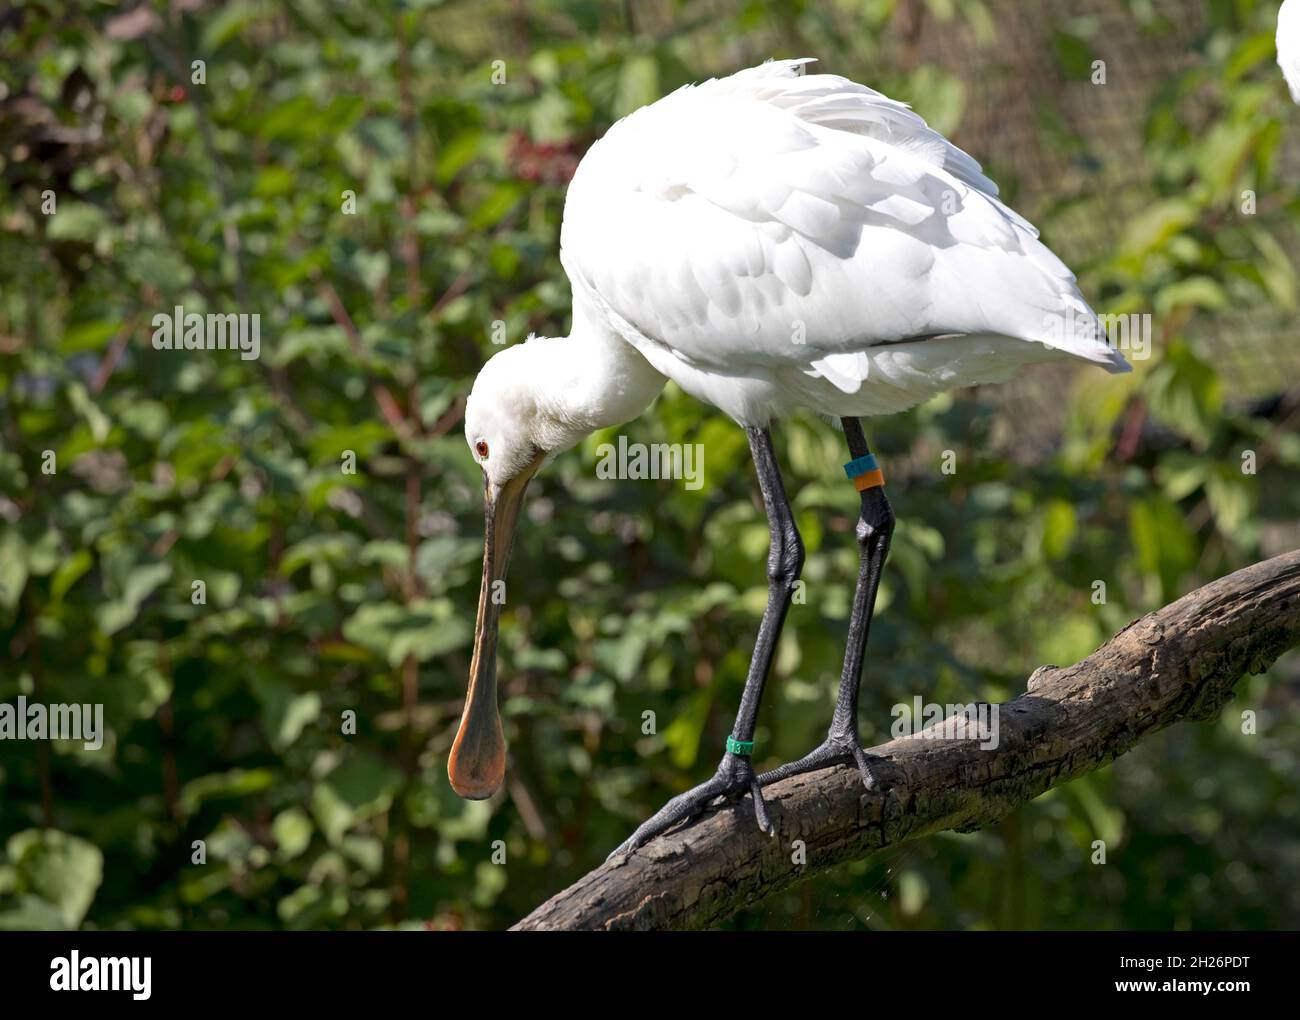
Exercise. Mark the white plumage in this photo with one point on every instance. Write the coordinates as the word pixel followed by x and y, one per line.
pixel 1288 45
pixel 773 240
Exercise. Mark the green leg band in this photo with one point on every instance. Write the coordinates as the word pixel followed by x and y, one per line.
pixel 744 748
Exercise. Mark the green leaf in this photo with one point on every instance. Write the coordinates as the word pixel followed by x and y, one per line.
pixel 58 868
pixel 68 573
pixel 1059 526
pixel 13 567
pixel 88 336
pixel 142 582
pixel 286 714
pixel 1199 291
pixel 1153 228
pixel 425 629
pixel 1073 55
pixel 86 407
pixel 76 221
pixel 638 84
pixel 291 830
pixel 224 785
pixel 1231 495
pixel 682 735
pixel 499 201
pixel 226 22
pixel 1163 543
pixel 1185 393
pixel 360 788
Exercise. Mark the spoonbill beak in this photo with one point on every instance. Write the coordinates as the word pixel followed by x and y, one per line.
pixel 477 764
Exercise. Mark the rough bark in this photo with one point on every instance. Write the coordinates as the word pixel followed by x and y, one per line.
pixel 1180 662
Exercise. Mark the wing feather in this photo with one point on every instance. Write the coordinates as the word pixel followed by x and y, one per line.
pixel 786 219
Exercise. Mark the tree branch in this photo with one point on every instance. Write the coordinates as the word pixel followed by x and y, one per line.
pixel 1180 662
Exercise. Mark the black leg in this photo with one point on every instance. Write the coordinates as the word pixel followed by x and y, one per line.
pixel 875 528
pixel 735 775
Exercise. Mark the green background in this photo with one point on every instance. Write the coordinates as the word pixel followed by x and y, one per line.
pixel 330 592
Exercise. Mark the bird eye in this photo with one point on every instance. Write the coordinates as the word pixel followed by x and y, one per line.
pixel 481 448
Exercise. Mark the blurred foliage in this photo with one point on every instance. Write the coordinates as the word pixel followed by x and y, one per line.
pixel 330 593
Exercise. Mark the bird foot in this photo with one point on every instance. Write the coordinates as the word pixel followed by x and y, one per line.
pixel 836 749
pixel 735 777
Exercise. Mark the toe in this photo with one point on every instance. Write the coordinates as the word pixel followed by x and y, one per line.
pixel 864 767
pixel 760 808
pixel 683 806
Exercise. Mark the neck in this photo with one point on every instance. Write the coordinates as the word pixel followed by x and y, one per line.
pixel 592 379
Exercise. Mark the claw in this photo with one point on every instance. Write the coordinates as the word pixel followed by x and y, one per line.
pixel 760 808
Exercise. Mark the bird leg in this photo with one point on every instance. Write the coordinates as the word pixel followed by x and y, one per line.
pixel 874 530
pixel 735 775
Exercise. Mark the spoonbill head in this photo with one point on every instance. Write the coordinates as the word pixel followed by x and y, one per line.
pixel 773 242
pixel 529 402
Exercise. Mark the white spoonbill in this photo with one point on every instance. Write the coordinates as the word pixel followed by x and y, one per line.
pixel 770 241
pixel 1288 45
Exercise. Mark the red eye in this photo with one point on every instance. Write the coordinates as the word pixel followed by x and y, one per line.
pixel 481 448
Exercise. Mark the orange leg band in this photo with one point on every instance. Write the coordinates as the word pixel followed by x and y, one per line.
pixel 871 480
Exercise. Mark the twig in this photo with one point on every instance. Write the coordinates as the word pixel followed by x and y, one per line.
pixel 388 405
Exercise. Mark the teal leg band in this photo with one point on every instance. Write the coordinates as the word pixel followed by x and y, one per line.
pixel 744 748
pixel 860 466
